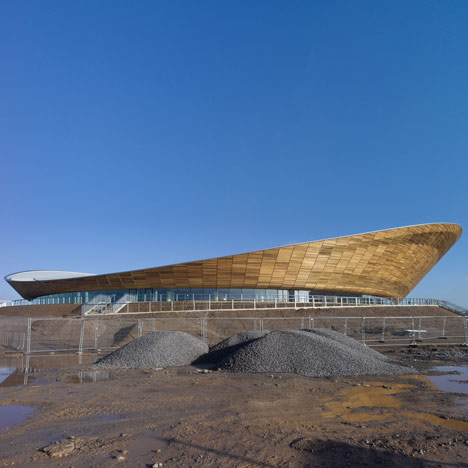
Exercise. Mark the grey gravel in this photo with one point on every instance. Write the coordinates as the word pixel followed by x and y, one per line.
pixel 347 341
pixel 156 349
pixel 226 347
pixel 313 353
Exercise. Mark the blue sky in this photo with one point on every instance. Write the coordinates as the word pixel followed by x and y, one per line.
pixel 137 134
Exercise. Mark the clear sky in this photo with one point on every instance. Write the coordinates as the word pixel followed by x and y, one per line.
pixel 138 134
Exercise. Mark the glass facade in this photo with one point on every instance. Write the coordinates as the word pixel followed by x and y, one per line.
pixel 192 294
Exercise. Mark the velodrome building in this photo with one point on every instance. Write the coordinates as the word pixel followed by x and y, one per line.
pixel 388 263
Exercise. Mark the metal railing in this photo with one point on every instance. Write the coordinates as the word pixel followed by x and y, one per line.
pixel 31 335
pixel 205 304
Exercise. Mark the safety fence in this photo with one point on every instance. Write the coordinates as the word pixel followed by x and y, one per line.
pixel 30 335
pixel 206 304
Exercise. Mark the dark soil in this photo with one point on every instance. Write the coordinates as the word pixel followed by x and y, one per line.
pixel 184 417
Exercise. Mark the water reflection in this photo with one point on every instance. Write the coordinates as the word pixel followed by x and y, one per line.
pixel 25 369
pixel 454 380
pixel 13 414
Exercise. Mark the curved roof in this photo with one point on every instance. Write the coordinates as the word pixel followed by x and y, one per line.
pixel 44 275
pixel 386 263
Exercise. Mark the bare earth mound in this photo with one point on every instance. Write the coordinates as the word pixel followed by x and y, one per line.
pixel 156 349
pixel 313 353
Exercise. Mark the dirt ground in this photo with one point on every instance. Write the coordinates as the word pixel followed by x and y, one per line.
pixel 190 417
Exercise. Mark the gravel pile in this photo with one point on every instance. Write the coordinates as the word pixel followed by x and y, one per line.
pixel 226 347
pixel 347 341
pixel 156 349
pixel 314 353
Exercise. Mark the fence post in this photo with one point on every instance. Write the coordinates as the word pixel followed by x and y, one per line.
pixel 193 300
pixel 413 332
pixel 203 327
pixel 261 324
pixel 383 331
pixel 209 301
pixel 466 331
pixel 172 306
pixel 345 326
pixel 443 327
pixel 96 328
pixel 28 345
pixel 276 302
pixel 150 307
pixel 232 304
pixel 80 346
pixel 363 330
pixel 140 328
pixel 255 303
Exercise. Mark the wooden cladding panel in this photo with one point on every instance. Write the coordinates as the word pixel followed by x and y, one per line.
pixel 382 263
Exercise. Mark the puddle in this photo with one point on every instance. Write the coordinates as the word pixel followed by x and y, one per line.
pixel 24 369
pixel 13 414
pixel 148 444
pixel 88 376
pixel 454 380
pixel 111 417
pixel 5 372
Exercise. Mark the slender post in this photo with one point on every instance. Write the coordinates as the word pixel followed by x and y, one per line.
pixel 232 304
pixel 383 331
pixel 443 326
pixel 26 370
pixel 466 330
pixel 255 303
pixel 140 328
pixel 276 302
pixel 96 334
pixel 363 330
pixel 419 328
pixel 413 331
pixel 193 299
pixel 150 307
pixel 28 345
pixel 80 346
pixel 345 326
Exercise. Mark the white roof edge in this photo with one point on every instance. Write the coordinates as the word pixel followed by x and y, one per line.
pixel 45 275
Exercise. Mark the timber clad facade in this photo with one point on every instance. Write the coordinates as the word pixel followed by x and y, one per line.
pixel 386 263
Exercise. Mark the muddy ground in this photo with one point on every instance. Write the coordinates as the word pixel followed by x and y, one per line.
pixel 187 417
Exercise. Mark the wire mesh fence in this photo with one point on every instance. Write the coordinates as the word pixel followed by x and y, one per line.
pixel 30 335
